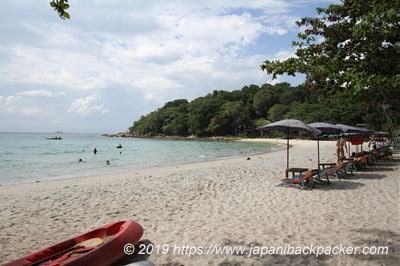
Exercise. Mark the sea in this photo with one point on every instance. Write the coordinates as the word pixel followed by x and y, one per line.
pixel 33 157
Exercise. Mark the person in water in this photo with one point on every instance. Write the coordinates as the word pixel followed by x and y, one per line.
pixel 108 162
pixel 95 151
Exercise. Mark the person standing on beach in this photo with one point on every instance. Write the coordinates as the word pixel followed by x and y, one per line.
pixel 340 147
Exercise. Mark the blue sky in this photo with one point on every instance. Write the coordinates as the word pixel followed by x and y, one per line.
pixel 115 60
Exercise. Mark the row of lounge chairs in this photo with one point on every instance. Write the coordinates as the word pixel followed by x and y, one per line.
pixel 313 176
pixel 322 176
pixel 363 159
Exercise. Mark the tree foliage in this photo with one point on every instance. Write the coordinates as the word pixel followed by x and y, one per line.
pixel 60 6
pixel 351 50
pixel 240 112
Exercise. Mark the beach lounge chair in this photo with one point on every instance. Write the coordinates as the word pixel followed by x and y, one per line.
pixel 383 153
pixel 323 174
pixel 341 170
pixel 364 160
pixel 359 164
pixel 300 181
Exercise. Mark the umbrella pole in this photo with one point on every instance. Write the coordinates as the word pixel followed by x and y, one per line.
pixel 318 151
pixel 287 156
pixel 287 150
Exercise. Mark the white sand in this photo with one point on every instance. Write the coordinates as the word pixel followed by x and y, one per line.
pixel 232 202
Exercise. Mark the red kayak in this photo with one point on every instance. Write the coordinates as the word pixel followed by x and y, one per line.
pixel 102 246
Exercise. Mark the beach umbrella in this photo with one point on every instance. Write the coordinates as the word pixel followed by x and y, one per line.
pixel 380 133
pixel 288 126
pixel 351 130
pixel 325 128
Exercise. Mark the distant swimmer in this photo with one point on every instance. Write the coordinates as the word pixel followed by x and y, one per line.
pixel 80 160
pixel 95 151
pixel 108 162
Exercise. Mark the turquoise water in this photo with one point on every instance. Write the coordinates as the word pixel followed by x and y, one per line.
pixel 28 157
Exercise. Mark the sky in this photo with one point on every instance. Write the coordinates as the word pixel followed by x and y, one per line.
pixel 117 60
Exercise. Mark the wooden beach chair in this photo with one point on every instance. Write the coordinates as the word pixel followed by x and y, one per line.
pixel 383 153
pixel 322 174
pixel 300 181
pixel 341 170
pixel 364 160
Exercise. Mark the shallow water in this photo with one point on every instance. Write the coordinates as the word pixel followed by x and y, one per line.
pixel 27 157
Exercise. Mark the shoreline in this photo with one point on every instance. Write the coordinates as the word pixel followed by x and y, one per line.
pixel 113 171
pixel 149 169
pixel 224 202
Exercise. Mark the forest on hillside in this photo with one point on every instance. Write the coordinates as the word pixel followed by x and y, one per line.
pixel 240 112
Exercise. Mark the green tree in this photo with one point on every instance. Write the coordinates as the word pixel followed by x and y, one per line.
pixel 175 118
pixel 171 119
pixel 309 112
pixel 60 6
pixel 230 120
pixel 247 97
pixel 149 125
pixel 277 112
pixel 201 111
pixel 263 100
pixel 354 48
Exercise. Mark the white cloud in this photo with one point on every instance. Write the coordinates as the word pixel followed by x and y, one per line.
pixel 154 51
pixel 7 104
pixel 35 93
pixel 15 105
pixel 151 98
pixel 86 106
pixel 284 54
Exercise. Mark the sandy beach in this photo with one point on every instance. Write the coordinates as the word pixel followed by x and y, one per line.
pixel 224 203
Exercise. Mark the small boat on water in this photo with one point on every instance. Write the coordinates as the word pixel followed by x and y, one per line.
pixel 55 138
pixel 102 246
pixel 119 146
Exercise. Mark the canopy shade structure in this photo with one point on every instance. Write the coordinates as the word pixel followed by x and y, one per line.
pixel 288 126
pixel 352 129
pixel 325 128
